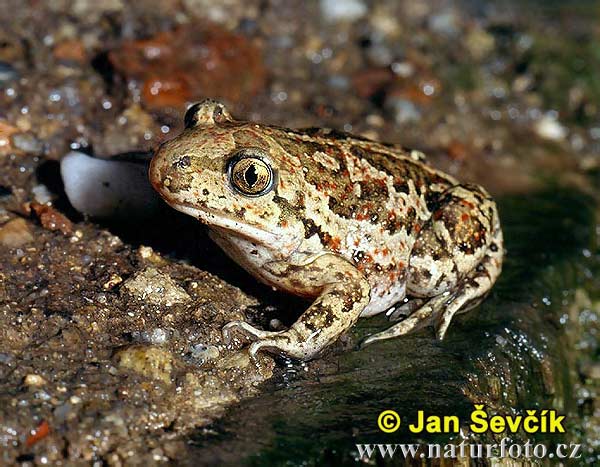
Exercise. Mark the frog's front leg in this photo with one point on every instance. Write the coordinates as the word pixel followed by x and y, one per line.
pixel 343 294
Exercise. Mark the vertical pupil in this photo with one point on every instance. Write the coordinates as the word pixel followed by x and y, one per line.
pixel 251 176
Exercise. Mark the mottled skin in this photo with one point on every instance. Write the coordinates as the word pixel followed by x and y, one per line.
pixel 357 225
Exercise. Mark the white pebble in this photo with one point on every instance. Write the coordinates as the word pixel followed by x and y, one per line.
pixel 343 10
pixel 107 188
pixel 550 128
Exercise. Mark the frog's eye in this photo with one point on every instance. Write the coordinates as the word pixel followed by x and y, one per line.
pixel 250 175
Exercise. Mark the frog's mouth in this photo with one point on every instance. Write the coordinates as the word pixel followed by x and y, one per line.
pixel 224 224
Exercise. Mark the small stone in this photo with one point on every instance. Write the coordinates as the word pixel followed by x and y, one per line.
pixel 276 325
pixel 7 72
pixel 28 143
pixel 41 194
pixel 71 50
pixel 150 361
pixel 371 81
pixel 156 288
pixel 148 254
pixel 106 188
pixel 548 127
pixel 156 336
pixel 480 43
pixel 403 110
pixel 343 10
pixel 237 360
pixel 445 23
pixel 15 233
pixel 6 133
pixel 112 282
pixel 591 370
pixel 203 352
pixel 33 380
pixel 51 219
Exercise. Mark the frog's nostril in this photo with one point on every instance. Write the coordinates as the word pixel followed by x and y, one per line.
pixel 182 162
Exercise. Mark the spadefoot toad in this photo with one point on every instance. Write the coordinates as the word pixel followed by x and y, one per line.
pixel 358 226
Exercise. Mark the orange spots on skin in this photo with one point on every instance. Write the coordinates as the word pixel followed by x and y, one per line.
pixel 464 217
pixel 464 202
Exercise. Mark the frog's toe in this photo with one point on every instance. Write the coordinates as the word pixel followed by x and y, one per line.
pixel 245 329
pixel 419 319
pixel 282 345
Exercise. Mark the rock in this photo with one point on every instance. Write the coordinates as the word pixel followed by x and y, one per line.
pixel 15 233
pixel 41 194
pixel 7 72
pixel 446 23
pixel 156 288
pixel 480 43
pixel 108 189
pixel 591 370
pixel 238 360
pixel 33 380
pixel 548 127
pixel 6 132
pixel 51 219
pixel 402 110
pixel 191 62
pixel 37 434
pixel 149 361
pixel 371 81
pixel 28 143
pixel 132 131
pixel 203 352
pixel 112 282
pixel 231 13
pixel 343 10
pixel 71 50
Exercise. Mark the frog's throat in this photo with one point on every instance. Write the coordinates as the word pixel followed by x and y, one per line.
pixel 241 229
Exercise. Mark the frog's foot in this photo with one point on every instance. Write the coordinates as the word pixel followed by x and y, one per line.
pixel 280 342
pixel 422 317
pixel 344 293
pixel 288 343
pixel 246 330
pixel 475 287
pixel 403 311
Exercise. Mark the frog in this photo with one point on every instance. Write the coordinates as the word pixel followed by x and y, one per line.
pixel 356 226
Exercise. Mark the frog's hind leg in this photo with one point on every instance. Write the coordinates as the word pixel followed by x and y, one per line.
pixel 475 287
pixel 418 319
pixel 439 311
pixel 455 261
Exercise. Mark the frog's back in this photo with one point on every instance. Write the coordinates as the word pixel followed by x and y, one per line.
pixel 360 173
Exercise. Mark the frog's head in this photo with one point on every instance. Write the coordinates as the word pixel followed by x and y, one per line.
pixel 226 174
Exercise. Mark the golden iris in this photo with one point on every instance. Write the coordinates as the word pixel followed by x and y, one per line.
pixel 251 176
